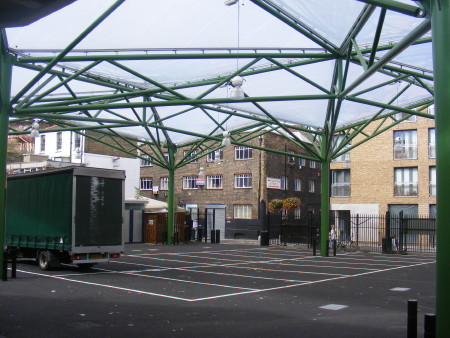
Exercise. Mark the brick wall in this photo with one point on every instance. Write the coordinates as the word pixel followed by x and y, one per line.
pixel 372 169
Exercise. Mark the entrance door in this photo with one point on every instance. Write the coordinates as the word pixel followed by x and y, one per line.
pixel 343 225
pixel 215 219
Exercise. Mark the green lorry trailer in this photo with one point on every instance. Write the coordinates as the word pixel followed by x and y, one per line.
pixel 72 215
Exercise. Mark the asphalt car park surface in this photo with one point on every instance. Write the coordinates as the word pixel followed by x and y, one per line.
pixel 220 290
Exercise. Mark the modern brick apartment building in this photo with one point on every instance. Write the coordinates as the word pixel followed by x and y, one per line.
pixel 232 189
pixel 395 171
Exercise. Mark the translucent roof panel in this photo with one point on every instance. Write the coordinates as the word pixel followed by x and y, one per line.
pixel 150 63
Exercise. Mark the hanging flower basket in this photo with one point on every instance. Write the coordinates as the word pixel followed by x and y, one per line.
pixel 275 205
pixel 291 203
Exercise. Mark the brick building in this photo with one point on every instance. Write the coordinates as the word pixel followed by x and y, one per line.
pixel 395 171
pixel 232 189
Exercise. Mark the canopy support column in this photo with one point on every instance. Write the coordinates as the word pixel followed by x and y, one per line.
pixel 324 198
pixel 170 195
pixel 6 62
pixel 441 54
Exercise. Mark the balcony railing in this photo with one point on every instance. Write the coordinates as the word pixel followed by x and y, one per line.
pixel 340 190
pixel 405 189
pixel 405 152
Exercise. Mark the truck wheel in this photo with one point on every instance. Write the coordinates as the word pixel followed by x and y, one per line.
pixel 44 260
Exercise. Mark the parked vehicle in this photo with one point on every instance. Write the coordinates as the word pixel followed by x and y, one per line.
pixel 67 215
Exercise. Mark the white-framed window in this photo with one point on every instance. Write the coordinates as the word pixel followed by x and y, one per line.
pixel 283 182
pixel 145 161
pixel 167 157
pixel 345 157
pixel 297 184
pixel 243 180
pixel 214 181
pixel 312 164
pixel 189 182
pixel 311 186
pixel 146 183
pixel 190 155
pixel 77 141
pixel 411 118
pixel 242 211
pixel 291 159
pixel 432 143
pixel 405 182
pixel 301 162
pixel 164 183
pixel 432 181
pixel 405 144
pixel 340 183
pixel 42 148
pixel 59 141
pixel 242 153
pixel 297 214
pixel 218 154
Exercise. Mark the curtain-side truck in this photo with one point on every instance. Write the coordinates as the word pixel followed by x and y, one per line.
pixel 72 215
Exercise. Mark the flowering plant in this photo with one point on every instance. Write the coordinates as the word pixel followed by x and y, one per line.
pixel 291 203
pixel 275 204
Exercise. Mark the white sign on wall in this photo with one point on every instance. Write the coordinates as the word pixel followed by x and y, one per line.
pixel 273 183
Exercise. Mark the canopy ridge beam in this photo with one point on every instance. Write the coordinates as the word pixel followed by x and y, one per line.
pixel 304 78
pixel 23 102
pixel 399 7
pixel 63 82
pixel 376 38
pixel 294 23
pixel 421 29
pixel 357 26
pixel 66 50
pixel 294 139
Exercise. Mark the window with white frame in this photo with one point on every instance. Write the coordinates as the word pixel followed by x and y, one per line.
pixel 297 214
pixel 58 141
pixel 42 148
pixel 433 181
pixel 77 141
pixel 243 180
pixel 214 182
pixel 291 159
pixel 215 155
pixel 164 183
pixel 340 183
pixel 409 117
pixel 297 184
pixel 301 162
pixel 190 155
pixel 145 161
pixel 146 183
pixel 337 141
pixel 311 186
pixel 405 182
pixel 189 182
pixel 242 211
pixel 405 144
pixel 167 157
pixel 312 164
pixel 283 182
pixel 242 153
pixel 432 143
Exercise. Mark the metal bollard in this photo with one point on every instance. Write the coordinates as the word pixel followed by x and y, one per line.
pixel 430 326
pixel 328 247
pixel 13 263
pixel 412 318
pixel 334 248
pixel 5 266
pixel 314 247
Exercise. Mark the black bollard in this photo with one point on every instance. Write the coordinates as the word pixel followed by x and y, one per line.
pixel 412 318
pixel 314 247
pixel 328 247
pixel 13 263
pixel 430 326
pixel 5 266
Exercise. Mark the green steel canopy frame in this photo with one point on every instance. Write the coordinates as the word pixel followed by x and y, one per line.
pixel 124 106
